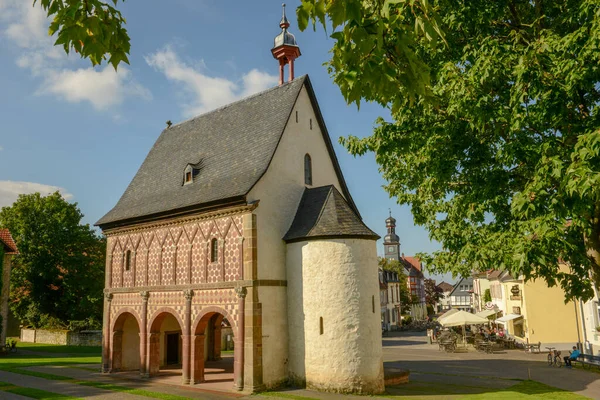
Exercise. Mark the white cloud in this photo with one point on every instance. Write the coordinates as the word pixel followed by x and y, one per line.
pixel 10 190
pixel 204 93
pixel 26 27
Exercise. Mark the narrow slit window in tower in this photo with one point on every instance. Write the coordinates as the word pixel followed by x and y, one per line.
pixel 373 303
pixel 307 170
pixel 320 325
pixel 296 116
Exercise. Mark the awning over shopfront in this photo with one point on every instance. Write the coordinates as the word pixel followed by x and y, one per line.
pixel 487 313
pixel 508 317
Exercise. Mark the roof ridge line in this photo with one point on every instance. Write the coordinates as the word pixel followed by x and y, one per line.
pixel 322 208
pixel 224 106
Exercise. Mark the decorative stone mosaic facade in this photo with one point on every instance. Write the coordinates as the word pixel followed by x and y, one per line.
pixel 177 255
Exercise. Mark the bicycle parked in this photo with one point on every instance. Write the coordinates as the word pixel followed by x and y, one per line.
pixel 554 357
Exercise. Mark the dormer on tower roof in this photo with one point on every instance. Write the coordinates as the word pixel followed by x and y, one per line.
pixel 285 48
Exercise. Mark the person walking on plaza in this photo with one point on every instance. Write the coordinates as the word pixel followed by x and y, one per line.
pixel 572 356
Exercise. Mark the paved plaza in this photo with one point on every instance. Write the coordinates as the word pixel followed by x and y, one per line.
pixel 445 375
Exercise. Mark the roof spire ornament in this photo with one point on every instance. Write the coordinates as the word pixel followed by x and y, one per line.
pixel 285 48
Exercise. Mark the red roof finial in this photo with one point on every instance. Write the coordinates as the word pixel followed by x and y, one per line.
pixel 285 48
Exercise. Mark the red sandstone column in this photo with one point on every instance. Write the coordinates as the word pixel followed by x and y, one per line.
pixel 291 77
pixel 107 334
pixel 144 335
pixel 154 353
pixel 238 351
pixel 198 359
pixel 281 65
pixel 117 351
pixel 217 342
pixel 186 336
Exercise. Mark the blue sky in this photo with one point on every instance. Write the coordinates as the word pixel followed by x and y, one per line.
pixel 86 131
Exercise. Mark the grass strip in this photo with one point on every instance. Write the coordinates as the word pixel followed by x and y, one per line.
pixel 286 395
pixel 34 393
pixel 467 376
pixel 525 390
pixel 128 390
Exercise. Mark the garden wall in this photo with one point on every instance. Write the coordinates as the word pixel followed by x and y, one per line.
pixel 83 338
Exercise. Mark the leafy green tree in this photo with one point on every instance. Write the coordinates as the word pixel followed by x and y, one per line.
pixel 498 154
pixel 433 294
pixel 93 28
pixel 406 300
pixel 58 275
pixel 487 296
pixel 375 55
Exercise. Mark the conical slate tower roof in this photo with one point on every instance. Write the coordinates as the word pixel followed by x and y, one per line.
pixel 323 213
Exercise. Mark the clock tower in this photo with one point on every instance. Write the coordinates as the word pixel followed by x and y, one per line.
pixel 391 241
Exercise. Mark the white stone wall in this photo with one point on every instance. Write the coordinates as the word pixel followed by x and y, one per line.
pixel 279 192
pixel 335 280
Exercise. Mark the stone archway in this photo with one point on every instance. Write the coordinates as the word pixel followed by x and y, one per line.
pixel 165 347
pixel 206 343
pixel 125 343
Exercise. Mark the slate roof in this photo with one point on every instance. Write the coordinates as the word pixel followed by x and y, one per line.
pixel 445 287
pixel 323 213
pixel 466 282
pixel 234 146
pixel 6 239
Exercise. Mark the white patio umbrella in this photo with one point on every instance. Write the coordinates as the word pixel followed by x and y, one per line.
pixel 447 314
pixel 463 318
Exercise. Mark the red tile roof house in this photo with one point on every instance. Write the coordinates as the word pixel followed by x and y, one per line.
pixel 8 249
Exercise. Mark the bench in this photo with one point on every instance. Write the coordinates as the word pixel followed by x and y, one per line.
pixel 533 347
pixel 588 360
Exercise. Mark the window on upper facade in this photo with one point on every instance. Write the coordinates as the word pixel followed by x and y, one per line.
pixel 127 260
pixel 214 250
pixel 307 170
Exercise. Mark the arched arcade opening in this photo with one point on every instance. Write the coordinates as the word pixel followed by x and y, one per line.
pixel 213 333
pixel 165 344
pixel 125 347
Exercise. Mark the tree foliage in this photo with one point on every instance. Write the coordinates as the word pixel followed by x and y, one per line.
pixel 374 57
pixel 93 28
pixel 498 155
pixel 487 296
pixel 433 294
pixel 58 275
pixel 406 300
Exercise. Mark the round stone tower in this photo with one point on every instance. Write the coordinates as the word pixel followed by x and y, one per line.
pixel 333 297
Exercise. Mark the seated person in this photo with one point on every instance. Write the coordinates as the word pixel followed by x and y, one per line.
pixel 572 356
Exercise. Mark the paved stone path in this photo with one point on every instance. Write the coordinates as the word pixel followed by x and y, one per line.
pixel 497 370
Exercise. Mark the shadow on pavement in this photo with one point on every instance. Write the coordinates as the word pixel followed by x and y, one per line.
pixel 452 377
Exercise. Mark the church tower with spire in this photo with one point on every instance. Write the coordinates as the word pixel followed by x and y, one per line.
pixel 391 241
pixel 285 49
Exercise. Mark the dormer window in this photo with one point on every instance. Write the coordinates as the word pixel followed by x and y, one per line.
pixel 188 176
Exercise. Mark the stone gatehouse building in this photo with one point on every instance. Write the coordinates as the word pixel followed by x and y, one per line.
pixel 241 217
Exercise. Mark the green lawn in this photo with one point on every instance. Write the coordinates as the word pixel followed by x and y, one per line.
pixel 50 348
pixel 525 390
pixel 33 393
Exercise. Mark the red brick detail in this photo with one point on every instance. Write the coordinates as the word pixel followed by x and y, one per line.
pixel 158 317
pixel 204 316
pixel 120 317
